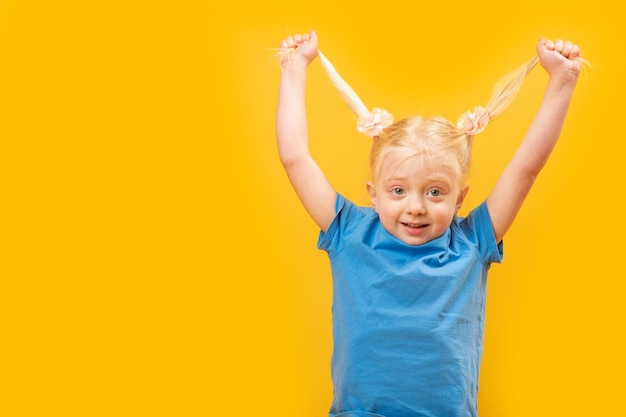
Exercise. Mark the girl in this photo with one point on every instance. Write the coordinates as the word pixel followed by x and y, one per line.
pixel 409 274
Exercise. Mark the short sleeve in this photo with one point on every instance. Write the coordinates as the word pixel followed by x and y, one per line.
pixel 478 227
pixel 329 241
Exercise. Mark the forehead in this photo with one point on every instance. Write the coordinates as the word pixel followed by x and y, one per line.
pixel 398 164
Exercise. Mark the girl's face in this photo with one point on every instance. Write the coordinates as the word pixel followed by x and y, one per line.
pixel 416 199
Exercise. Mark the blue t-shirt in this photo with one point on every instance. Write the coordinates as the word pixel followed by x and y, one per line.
pixel 407 320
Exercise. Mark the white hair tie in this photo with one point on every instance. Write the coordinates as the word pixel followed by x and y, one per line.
pixel 474 122
pixel 369 123
pixel 374 122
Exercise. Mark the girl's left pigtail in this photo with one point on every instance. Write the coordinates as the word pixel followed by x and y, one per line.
pixel 369 123
pixel 503 94
pixel 506 89
pixel 473 122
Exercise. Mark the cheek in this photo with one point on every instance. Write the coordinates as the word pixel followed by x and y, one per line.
pixel 443 212
pixel 388 209
pixel 447 215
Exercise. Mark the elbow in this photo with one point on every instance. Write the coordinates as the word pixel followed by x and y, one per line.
pixel 529 170
pixel 291 159
pixel 291 148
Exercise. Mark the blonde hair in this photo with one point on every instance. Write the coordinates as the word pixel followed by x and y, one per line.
pixel 433 136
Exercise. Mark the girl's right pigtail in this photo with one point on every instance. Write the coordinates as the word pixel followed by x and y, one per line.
pixel 503 94
pixel 369 123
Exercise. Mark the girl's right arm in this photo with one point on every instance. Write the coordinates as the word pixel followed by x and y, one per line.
pixel 307 179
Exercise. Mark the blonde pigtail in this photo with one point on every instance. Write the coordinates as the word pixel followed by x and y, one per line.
pixel 372 123
pixel 503 94
pixel 506 89
pixel 369 123
pixel 346 92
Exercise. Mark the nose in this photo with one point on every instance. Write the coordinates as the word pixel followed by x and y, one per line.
pixel 415 205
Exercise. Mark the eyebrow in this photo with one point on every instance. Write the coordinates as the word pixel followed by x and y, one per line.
pixel 432 178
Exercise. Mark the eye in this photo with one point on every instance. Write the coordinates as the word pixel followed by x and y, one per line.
pixel 397 191
pixel 435 193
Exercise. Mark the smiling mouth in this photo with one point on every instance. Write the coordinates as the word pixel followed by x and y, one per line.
pixel 414 225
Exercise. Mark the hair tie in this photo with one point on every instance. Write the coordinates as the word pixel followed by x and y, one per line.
pixel 373 123
pixel 473 122
pixel 370 123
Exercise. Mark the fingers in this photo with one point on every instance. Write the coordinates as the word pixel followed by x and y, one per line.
pixel 296 40
pixel 565 48
pixel 290 42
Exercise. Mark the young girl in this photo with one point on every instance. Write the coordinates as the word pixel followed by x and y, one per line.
pixel 409 275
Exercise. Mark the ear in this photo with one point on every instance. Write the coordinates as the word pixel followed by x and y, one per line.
pixel 371 190
pixel 460 198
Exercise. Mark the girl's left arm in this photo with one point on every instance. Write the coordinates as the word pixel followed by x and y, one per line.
pixel 562 61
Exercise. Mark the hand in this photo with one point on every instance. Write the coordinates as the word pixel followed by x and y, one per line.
pixel 560 58
pixel 298 48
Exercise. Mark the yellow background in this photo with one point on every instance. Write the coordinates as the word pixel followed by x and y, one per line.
pixel 155 260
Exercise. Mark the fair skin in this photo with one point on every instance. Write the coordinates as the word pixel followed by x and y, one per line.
pixel 415 199
pixel 400 207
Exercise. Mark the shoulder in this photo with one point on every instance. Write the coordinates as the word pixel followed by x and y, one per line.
pixel 350 219
pixel 477 229
pixel 477 218
pixel 348 211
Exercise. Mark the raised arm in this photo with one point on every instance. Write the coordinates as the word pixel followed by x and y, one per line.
pixel 562 61
pixel 307 179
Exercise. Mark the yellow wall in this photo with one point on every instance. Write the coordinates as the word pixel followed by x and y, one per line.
pixel 155 260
